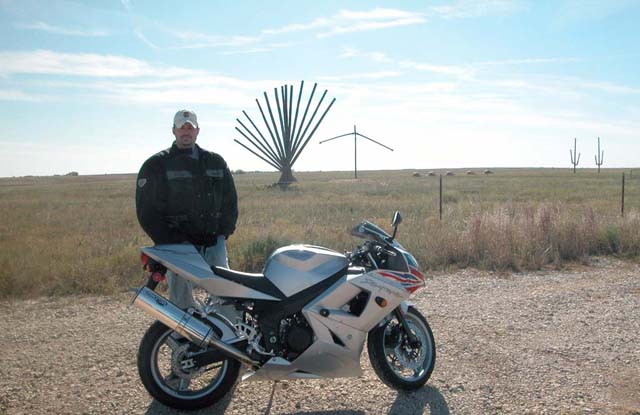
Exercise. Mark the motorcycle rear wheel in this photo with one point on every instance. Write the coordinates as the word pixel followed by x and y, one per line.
pixel 159 366
pixel 395 361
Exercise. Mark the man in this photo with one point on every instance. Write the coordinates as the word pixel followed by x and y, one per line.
pixel 186 194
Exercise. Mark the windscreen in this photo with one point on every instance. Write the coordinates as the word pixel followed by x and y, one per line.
pixel 368 230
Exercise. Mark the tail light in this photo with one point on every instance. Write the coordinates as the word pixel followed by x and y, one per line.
pixel 156 269
pixel 157 277
pixel 144 258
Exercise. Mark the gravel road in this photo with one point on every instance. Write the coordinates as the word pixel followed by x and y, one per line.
pixel 550 342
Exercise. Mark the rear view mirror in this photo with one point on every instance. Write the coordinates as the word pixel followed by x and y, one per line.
pixel 397 219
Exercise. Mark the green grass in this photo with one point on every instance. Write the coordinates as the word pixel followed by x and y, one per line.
pixel 66 235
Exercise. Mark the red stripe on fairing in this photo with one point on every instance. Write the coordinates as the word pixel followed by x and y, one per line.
pixel 396 277
pixel 417 273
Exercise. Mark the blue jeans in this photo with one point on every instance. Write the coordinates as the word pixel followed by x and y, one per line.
pixel 181 290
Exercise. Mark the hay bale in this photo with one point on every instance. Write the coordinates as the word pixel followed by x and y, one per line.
pixel 488 172
pixel 416 174
pixel 431 173
pixel 470 173
pixel 450 173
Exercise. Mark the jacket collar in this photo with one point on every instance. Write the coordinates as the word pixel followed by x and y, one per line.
pixel 193 152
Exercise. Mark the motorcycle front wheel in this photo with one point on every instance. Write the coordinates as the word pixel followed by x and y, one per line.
pixel 163 368
pixel 397 363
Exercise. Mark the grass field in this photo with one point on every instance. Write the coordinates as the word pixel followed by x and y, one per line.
pixel 64 235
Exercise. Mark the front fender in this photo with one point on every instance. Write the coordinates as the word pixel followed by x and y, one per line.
pixel 404 308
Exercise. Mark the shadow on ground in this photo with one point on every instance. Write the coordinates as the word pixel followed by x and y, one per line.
pixel 415 402
pixel 336 412
pixel 156 408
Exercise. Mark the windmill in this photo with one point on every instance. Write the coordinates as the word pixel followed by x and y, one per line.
pixel 288 139
pixel 356 134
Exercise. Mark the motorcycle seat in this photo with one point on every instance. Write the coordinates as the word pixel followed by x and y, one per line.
pixel 256 282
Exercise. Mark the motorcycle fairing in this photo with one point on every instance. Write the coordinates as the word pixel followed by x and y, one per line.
pixel 339 334
pixel 184 259
pixel 295 268
pixel 272 313
pixel 410 281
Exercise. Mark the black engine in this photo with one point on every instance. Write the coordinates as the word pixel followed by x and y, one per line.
pixel 296 335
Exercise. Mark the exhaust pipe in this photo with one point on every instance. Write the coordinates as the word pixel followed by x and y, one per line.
pixel 194 329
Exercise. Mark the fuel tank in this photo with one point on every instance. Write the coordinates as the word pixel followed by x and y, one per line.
pixel 296 267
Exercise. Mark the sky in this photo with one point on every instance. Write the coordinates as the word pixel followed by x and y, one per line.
pixel 93 86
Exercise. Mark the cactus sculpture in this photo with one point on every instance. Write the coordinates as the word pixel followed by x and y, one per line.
pixel 599 157
pixel 574 160
pixel 288 138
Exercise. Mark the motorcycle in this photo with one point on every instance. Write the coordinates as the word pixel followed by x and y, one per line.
pixel 306 317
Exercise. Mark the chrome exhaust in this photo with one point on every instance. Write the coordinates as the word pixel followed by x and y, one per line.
pixel 194 329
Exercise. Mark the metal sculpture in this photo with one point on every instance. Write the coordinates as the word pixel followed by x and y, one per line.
pixel 599 157
pixel 288 139
pixel 356 134
pixel 574 160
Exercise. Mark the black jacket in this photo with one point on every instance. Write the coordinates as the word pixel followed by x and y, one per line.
pixel 186 196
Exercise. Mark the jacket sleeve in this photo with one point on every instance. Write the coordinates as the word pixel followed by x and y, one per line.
pixel 229 212
pixel 150 202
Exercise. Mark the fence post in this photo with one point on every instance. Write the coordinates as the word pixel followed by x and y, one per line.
pixel 622 210
pixel 440 196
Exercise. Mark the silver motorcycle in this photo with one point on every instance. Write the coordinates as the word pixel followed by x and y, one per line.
pixel 307 316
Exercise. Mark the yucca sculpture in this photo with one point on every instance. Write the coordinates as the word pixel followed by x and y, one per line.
pixel 288 138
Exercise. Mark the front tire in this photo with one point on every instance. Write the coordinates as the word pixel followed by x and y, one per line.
pixel 159 365
pixel 395 361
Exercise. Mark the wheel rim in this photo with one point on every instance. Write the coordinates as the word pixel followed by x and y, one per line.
pixel 407 362
pixel 179 383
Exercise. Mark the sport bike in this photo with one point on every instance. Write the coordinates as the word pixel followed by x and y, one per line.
pixel 307 316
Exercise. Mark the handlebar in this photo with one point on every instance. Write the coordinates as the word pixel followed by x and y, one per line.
pixel 371 254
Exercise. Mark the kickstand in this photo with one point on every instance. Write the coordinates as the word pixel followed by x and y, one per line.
pixel 270 404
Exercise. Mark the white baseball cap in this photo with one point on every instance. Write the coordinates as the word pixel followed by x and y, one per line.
pixel 185 116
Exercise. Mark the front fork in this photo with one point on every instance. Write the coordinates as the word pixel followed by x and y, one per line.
pixel 400 312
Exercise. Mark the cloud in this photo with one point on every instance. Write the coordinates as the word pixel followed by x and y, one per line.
pixel 347 21
pixel 120 78
pixel 247 51
pixel 592 10
pixel 458 71
pixel 57 30
pixel 527 61
pixel 461 71
pixel 374 56
pixel 83 64
pixel 17 95
pixel 609 87
pixel 527 101
pixel 462 9
pixel 137 31
pixel 193 40
pixel 363 75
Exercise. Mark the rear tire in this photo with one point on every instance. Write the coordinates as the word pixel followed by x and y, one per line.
pixel 159 361
pixel 395 362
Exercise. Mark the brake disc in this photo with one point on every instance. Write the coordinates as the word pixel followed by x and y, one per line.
pixel 409 357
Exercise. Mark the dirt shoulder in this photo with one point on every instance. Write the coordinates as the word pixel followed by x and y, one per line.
pixel 546 342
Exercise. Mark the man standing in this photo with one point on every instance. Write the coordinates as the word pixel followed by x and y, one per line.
pixel 186 194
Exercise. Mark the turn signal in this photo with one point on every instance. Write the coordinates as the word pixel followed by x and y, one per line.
pixel 381 302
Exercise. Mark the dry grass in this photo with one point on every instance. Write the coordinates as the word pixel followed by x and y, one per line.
pixel 63 235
